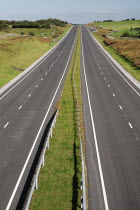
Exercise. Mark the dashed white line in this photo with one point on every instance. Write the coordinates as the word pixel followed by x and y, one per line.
pixel 20 107
pixel 33 68
pixel 120 106
pixel 41 78
pixel 46 73
pixel 130 125
pixel 36 86
pixel 109 86
pixel 6 124
pixel 113 94
pixel 102 73
pixel 112 64
pixel 104 78
pixel 29 95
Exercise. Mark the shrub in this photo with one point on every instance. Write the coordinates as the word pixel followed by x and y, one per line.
pixel 22 33
pixel 31 34
pixel 125 34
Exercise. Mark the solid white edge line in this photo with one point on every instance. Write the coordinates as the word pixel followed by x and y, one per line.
pixel 95 138
pixel 102 51
pixel 30 153
pixel 40 62
pixel 6 124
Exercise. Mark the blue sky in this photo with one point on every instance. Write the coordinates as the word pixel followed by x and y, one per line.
pixel 74 11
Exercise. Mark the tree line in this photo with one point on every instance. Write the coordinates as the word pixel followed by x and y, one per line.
pixel 43 23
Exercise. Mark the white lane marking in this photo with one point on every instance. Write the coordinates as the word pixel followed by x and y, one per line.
pixel 29 95
pixel 46 73
pixel 95 138
pixel 104 78
pixel 6 124
pixel 113 94
pixel 120 106
pixel 130 125
pixel 36 66
pixel 49 69
pixel 20 107
pixel 41 78
pixel 109 86
pixel 32 148
pixel 102 73
pixel 114 66
pixel 36 86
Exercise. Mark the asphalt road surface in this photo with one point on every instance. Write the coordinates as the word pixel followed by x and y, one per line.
pixel 111 105
pixel 25 109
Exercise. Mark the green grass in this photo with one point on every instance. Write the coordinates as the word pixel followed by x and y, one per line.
pixel 119 25
pixel 17 53
pixel 59 180
pixel 36 31
pixel 126 64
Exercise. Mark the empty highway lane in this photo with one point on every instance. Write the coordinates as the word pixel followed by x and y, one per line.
pixel 111 105
pixel 25 109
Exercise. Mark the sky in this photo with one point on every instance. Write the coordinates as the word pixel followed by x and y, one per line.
pixel 73 11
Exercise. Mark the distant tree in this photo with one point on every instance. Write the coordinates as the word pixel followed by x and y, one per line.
pixel 132 18
pixel 46 25
pixel 107 20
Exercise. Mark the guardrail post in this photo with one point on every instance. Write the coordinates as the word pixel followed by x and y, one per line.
pixel 48 142
pixel 43 161
pixel 36 183
pixel 51 132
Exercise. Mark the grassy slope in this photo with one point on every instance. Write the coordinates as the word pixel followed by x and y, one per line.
pixel 119 25
pixel 17 53
pixel 126 52
pixel 59 180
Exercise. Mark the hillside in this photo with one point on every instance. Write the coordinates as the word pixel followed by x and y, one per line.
pixel 126 50
pixel 19 52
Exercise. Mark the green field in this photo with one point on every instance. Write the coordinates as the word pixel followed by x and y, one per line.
pixel 119 25
pixel 59 179
pixel 120 33
pixel 17 53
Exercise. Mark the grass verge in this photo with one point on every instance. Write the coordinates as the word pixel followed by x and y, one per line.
pixel 123 52
pixel 59 180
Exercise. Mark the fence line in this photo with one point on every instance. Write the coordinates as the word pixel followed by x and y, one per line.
pixel 34 183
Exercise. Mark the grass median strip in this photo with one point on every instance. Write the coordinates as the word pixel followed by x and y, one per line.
pixel 59 180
